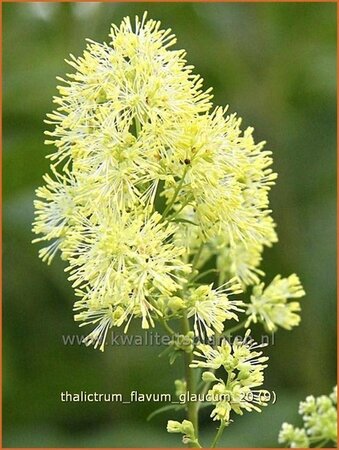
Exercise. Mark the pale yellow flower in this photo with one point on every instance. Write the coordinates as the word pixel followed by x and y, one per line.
pixel 211 307
pixel 270 305
pixel 244 366
pixel 149 184
pixel 127 265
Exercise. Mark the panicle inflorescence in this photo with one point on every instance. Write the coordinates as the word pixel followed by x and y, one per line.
pixel 151 186
pixel 148 182
pixel 243 364
pixel 319 429
pixel 270 305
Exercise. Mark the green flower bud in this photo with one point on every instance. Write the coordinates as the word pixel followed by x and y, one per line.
pixel 208 377
pixel 176 304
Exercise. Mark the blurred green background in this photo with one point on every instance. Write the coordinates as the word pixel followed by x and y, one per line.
pixel 274 64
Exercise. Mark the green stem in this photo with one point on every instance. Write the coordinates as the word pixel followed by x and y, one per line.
pixel 175 195
pixel 195 261
pixel 192 410
pixel 235 328
pixel 320 444
pixel 208 384
pixel 174 215
pixel 202 274
pixel 167 327
pixel 218 435
pixel 137 126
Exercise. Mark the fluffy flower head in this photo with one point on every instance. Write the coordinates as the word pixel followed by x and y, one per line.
pixel 211 307
pixel 319 429
pixel 149 182
pixel 270 305
pixel 244 366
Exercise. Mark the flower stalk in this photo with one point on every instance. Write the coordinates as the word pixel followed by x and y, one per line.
pixel 218 435
pixel 192 406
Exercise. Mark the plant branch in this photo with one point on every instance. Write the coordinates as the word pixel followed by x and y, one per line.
pixel 175 214
pixel 175 195
pixel 202 274
pixel 167 327
pixel 192 410
pixel 218 435
pixel 234 329
pixel 137 126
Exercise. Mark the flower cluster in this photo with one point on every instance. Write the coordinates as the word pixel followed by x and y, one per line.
pixel 186 428
pixel 270 305
pixel 244 366
pixel 144 174
pixel 149 187
pixel 212 307
pixel 319 415
pixel 120 271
